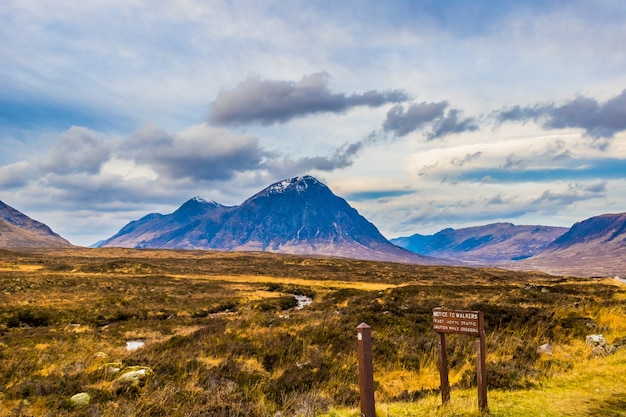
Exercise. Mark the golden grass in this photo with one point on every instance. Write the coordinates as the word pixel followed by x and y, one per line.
pixel 330 284
pixel 222 338
pixel 595 387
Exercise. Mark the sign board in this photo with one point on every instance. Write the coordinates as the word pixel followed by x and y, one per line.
pixel 461 322
pixel 456 321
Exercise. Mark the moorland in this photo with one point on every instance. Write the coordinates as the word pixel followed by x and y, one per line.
pixel 200 333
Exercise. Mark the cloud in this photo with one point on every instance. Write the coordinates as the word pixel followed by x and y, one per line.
pixel 574 193
pixel 342 158
pixel 78 150
pixel 418 116
pixel 200 152
pixel 15 175
pixel 459 162
pixel 270 101
pixel 452 124
pixel 401 122
pixel 598 120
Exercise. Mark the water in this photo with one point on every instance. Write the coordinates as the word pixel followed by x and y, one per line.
pixel 303 301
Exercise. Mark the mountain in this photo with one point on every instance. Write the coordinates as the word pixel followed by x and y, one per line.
pixel 414 243
pixel 592 247
pixel 20 231
pixel 484 245
pixel 298 216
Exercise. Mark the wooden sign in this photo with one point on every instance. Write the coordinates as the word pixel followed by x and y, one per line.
pixel 461 322
pixel 456 321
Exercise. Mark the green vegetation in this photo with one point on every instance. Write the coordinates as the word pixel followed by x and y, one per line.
pixel 222 337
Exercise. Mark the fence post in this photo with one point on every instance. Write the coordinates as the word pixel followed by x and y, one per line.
pixel 481 368
pixel 444 385
pixel 366 370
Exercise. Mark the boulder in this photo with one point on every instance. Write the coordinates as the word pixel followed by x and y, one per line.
pixel 80 400
pixel 600 346
pixel 598 352
pixel 133 377
pixel 594 340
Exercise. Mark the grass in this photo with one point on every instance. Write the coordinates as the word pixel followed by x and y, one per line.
pixel 222 337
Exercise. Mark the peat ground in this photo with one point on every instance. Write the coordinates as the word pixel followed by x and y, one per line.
pixel 220 334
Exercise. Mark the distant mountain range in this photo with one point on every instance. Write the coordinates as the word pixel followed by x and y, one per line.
pixel 20 231
pixel 484 245
pixel 593 247
pixel 298 216
pixel 302 216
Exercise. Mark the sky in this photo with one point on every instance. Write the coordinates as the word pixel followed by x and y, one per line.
pixel 422 114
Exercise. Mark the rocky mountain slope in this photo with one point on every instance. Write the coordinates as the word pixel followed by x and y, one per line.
pixel 298 216
pixel 20 231
pixel 485 245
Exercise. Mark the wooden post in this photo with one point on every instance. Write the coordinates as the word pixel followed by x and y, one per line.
pixel 443 370
pixel 481 368
pixel 366 370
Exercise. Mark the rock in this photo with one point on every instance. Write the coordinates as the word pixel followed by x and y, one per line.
pixel 595 340
pixel 133 377
pixel 545 348
pixel 80 400
pixel 598 352
pixel 600 346
pixel 133 345
pixel 111 367
pixel 100 355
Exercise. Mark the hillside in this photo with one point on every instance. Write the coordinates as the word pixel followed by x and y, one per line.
pixel 593 247
pixel 298 216
pixel 484 245
pixel 20 231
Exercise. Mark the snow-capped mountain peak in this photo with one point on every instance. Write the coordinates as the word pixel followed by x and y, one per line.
pixel 297 184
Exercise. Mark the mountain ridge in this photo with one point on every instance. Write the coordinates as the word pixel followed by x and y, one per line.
pixel 487 244
pixel 300 215
pixel 17 230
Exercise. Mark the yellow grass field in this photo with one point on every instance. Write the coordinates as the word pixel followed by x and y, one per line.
pixel 195 333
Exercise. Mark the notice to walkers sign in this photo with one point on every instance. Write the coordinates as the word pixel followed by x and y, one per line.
pixel 456 321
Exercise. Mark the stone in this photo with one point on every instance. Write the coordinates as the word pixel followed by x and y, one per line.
pixel 598 352
pixel 134 376
pixel 133 345
pixel 595 340
pixel 545 348
pixel 80 400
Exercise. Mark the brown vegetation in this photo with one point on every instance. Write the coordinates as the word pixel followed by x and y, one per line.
pixel 222 337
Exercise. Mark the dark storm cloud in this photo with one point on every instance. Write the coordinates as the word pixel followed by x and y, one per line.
pixel 418 116
pixel 270 101
pixel 598 120
pixel 199 153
